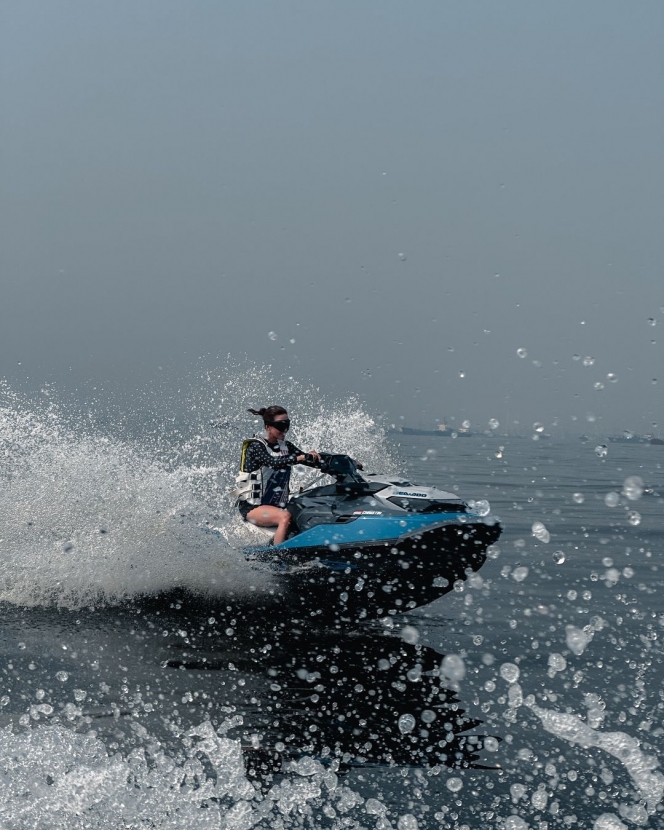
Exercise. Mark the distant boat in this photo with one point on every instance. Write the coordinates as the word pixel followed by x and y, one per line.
pixel 628 438
pixel 657 441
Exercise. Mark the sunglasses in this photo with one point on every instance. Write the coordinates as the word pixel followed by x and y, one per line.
pixel 282 426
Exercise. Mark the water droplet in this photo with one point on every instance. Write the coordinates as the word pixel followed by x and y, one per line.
pixel 406 724
pixel 465 424
pixel 579 498
pixel 611 577
pixel 481 507
pixel 577 639
pixel 556 663
pixel 538 427
pixel 520 573
pixel 558 557
pixel 540 532
pixel 576 357
pixel 612 499
pixel 62 676
pixel 522 352
pixel 272 335
pixel 612 378
pixel 598 385
pixel 372 805
pixel 601 450
pixel 510 672
pixel 402 256
pixel 410 635
pixel 292 340
pixel 633 488
pixel 652 321
pixel 454 784
pixel 453 668
pixel 588 361
pixel 493 423
pixel 634 518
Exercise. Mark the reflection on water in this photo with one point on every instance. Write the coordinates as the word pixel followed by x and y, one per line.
pixel 174 686
pixel 346 699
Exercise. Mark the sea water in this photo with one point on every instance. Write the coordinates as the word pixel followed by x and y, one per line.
pixel 529 697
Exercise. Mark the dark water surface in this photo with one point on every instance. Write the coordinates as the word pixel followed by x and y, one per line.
pixel 531 697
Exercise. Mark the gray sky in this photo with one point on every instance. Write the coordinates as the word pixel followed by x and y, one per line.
pixel 410 191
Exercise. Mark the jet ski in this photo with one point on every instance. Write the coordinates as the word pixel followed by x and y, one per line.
pixel 366 546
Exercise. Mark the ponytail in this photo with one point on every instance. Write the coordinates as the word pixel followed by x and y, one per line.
pixel 267 413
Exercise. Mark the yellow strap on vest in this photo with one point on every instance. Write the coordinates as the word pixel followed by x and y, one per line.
pixel 245 446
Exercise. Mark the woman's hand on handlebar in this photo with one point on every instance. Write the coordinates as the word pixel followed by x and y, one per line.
pixel 312 457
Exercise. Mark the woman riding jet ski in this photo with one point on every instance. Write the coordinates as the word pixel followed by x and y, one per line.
pixel 265 470
pixel 361 546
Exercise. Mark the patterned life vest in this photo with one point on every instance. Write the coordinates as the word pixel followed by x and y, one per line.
pixel 265 485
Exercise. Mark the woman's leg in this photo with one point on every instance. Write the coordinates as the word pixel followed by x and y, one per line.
pixel 268 516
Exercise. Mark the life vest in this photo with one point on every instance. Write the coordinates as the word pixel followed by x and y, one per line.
pixel 265 485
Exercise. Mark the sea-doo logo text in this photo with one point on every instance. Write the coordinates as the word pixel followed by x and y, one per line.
pixel 418 495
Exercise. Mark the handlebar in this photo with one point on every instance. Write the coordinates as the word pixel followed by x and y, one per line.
pixel 342 467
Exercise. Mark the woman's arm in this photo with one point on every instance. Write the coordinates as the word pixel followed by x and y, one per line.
pixel 308 459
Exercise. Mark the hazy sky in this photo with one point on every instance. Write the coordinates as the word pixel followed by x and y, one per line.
pixel 410 191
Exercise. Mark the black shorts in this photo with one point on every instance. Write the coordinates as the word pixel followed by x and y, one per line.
pixel 244 507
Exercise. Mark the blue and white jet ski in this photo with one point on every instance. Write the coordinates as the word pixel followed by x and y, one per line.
pixel 367 546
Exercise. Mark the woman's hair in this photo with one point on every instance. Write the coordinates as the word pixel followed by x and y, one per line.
pixel 267 413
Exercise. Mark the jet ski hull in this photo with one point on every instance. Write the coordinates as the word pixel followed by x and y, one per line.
pixel 367 569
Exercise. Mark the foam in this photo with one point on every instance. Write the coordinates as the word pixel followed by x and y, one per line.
pixel 52 777
pixel 640 767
